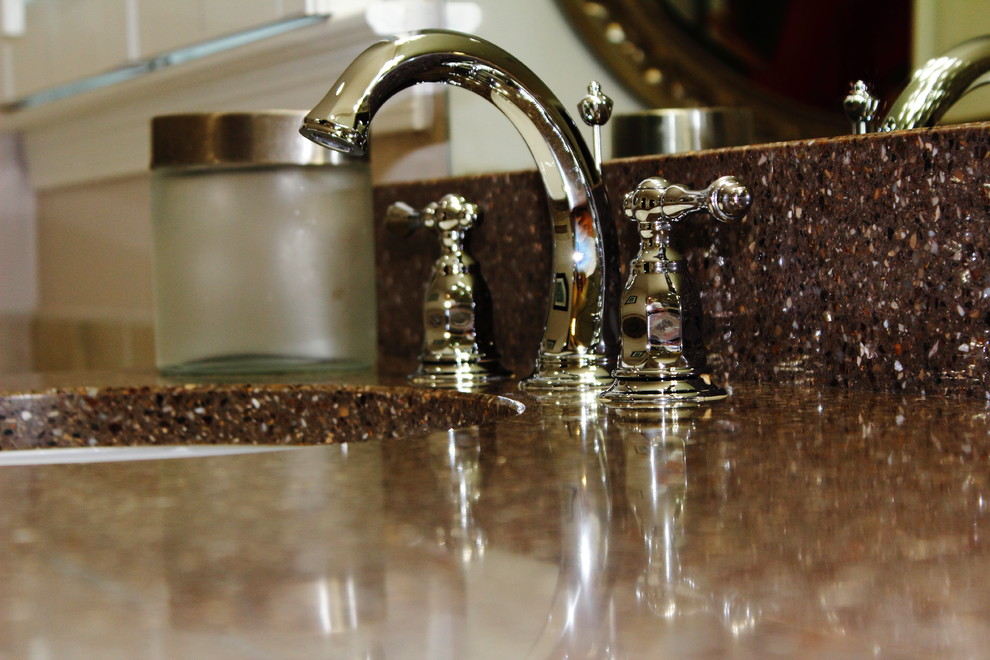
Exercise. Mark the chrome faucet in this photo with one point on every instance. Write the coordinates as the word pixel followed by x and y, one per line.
pixel 934 88
pixel 580 338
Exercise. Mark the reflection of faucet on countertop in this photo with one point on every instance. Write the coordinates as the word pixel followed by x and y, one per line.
pixel 582 617
pixel 456 457
pixel 658 453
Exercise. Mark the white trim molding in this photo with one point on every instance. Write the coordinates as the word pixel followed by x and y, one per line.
pixel 104 133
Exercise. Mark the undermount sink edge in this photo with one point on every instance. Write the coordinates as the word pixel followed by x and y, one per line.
pixel 240 415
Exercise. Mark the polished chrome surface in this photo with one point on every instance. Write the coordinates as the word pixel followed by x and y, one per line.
pixel 663 356
pixel 937 85
pixel 231 139
pixel 581 621
pixel 580 337
pixel 595 110
pixel 656 200
pixel 861 107
pixel 458 341
pixel 674 130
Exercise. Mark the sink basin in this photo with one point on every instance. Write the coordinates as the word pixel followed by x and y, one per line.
pixel 177 421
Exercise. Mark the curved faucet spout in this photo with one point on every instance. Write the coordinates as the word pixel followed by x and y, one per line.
pixel 936 86
pixel 580 340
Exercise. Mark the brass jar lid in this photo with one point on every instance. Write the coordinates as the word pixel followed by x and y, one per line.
pixel 236 139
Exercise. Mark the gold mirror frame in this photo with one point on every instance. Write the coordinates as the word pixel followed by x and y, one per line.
pixel 665 67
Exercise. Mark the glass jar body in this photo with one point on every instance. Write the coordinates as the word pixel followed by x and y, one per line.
pixel 263 269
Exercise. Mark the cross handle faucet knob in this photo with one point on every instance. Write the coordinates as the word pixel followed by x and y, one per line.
pixel 451 213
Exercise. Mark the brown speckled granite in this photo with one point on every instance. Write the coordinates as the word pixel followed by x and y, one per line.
pixel 239 415
pixel 784 523
pixel 862 263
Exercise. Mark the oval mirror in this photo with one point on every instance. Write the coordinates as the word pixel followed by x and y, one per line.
pixel 791 61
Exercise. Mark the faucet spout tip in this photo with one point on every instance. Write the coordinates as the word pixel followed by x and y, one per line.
pixel 335 136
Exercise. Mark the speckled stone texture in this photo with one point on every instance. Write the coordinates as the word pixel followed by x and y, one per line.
pixel 247 415
pixel 861 263
pixel 797 523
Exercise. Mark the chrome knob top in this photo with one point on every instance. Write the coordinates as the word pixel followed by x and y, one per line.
pixel 595 110
pixel 861 107
pixel 596 107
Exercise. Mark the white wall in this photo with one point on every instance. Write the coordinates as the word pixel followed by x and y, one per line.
pixel 537 34
pixel 17 246
pixel 938 26
pixel 18 264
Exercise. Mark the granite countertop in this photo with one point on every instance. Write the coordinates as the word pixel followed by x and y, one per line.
pixel 861 263
pixel 781 522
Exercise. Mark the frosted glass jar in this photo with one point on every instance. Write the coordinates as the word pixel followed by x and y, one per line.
pixel 263 248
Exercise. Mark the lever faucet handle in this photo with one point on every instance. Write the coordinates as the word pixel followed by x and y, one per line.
pixel 657 200
pixel 401 219
pixel 861 107
pixel 664 361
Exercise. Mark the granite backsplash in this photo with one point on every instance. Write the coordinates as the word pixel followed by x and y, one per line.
pixel 862 263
